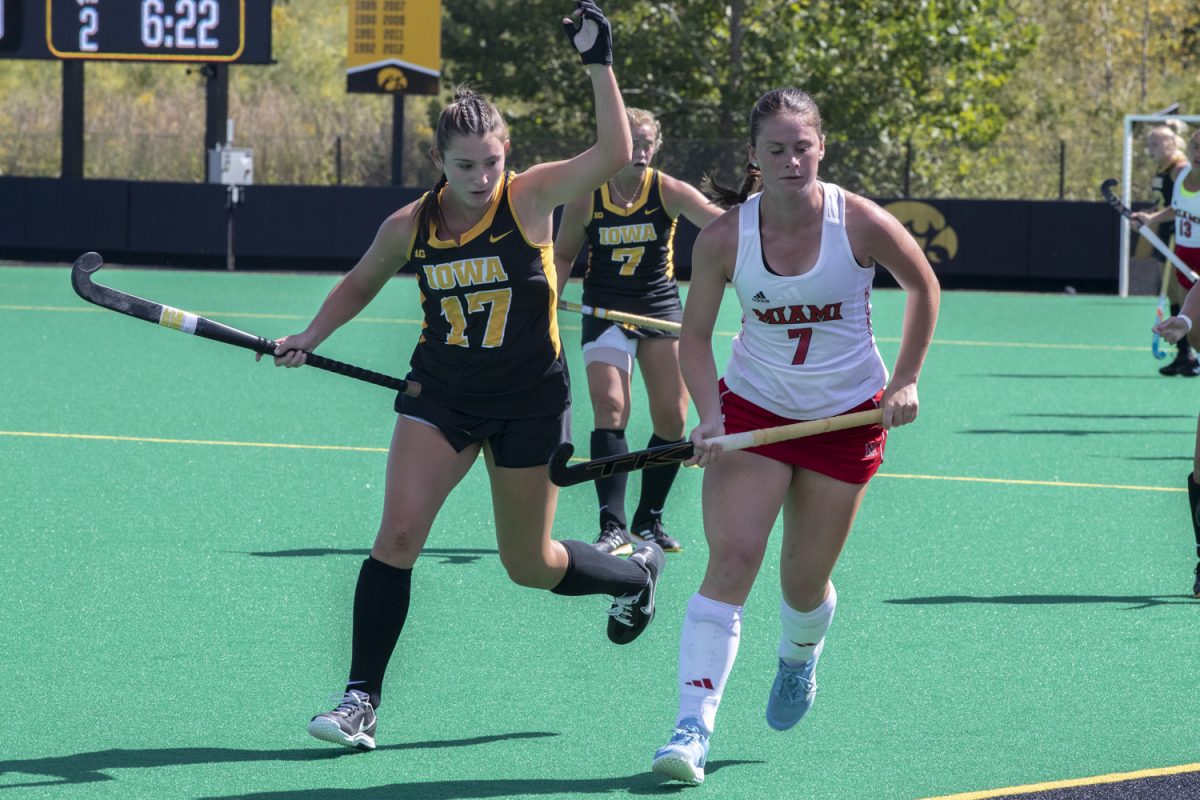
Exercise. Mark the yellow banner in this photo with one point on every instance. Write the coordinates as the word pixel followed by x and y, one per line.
pixel 394 46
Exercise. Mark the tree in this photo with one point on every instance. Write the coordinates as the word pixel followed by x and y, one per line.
pixel 884 73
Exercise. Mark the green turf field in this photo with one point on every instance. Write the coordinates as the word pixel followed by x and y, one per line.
pixel 183 527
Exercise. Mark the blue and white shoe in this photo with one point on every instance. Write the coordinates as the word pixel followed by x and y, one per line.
pixel 793 692
pixel 682 757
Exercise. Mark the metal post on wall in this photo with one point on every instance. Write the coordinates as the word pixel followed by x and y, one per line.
pixel 72 118
pixel 1062 168
pixel 337 158
pixel 398 139
pixel 216 108
pixel 907 166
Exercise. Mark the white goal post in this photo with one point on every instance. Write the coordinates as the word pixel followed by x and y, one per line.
pixel 1127 179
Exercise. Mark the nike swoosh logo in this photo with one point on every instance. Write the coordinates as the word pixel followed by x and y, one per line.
pixel 494 239
pixel 650 211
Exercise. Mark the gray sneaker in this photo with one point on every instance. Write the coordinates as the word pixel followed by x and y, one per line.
pixel 351 724
pixel 614 540
pixel 655 532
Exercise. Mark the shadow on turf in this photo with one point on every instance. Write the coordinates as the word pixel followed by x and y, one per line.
pixel 643 783
pixel 1110 416
pixel 1135 602
pixel 1063 377
pixel 90 767
pixel 1064 432
pixel 449 555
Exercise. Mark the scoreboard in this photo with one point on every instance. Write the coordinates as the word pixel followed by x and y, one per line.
pixel 394 46
pixel 137 30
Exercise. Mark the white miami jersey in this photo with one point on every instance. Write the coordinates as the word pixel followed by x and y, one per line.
pixel 1187 212
pixel 805 350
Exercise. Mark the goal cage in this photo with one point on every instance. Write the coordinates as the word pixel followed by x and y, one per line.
pixel 1127 181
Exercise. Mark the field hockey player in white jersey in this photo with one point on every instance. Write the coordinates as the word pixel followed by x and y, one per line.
pixel 801 255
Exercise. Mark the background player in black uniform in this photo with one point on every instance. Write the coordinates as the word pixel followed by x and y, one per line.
pixel 629 225
pixel 1164 144
pixel 491 369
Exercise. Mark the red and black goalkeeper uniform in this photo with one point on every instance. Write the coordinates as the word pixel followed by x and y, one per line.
pixel 490 343
pixel 630 263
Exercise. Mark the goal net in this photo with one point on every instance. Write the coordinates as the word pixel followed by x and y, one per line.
pixel 1137 124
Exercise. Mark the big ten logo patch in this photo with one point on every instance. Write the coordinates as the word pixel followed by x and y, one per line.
pixel 928 227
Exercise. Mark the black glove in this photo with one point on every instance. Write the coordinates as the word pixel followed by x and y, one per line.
pixel 591 34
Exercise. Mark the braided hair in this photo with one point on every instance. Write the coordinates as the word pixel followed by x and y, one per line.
pixel 469 114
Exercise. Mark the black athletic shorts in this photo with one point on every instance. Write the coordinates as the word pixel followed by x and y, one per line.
pixel 515 443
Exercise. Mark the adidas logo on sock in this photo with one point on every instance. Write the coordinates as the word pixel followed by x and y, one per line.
pixel 760 298
pixel 701 683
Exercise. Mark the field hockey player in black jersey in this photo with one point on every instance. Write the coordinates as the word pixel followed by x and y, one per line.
pixel 491 369
pixel 629 227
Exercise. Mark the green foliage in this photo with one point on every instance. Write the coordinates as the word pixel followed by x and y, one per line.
pixel 971 98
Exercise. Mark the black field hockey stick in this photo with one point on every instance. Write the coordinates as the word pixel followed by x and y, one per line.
pixel 1106 189
pixel 563 475
pixel 89 263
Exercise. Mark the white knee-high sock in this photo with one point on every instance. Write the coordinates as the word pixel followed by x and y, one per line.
pixel 707 647
pixel 804 630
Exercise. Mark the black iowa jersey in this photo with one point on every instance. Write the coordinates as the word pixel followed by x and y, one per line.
pixel 1163 185
pixel 630 263
pixel 490 345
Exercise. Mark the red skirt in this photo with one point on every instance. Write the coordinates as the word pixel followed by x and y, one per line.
pixel 852 455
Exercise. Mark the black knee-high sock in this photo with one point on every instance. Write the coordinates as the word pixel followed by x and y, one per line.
pixel 1194 503
pixel 591 572
pixel 380 607
pixel 610 491
pixel 1183 345
pixel 656 485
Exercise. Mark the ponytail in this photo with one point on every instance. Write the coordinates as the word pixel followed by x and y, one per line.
pixel 429 210
pixel 726 197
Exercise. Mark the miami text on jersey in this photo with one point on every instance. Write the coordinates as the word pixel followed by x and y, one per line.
pixel 792 315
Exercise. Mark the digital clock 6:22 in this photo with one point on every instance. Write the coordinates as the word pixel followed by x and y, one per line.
pixel 150 30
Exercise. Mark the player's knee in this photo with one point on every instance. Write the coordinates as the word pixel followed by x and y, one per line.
pixel 608 410
pixel 398 541
pixel 530 573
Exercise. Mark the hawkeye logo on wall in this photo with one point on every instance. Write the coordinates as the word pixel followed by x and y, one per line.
pixel 928 227
pixel 391 79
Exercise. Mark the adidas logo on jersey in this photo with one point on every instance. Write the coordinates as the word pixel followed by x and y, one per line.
pixel 760 298
pixel 701 683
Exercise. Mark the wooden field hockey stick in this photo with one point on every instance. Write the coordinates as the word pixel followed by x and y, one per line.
pixel 621 316
pixel 1106 189
pixel 563 475
pixel 89 263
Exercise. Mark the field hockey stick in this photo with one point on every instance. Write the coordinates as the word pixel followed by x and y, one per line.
pixel 89 263
pixel 1160 312
pixel 563 475
pixel 621 316
pixel 1106 189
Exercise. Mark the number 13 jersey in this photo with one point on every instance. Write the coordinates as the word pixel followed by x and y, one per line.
pixel 806 349
pixel 1187 212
